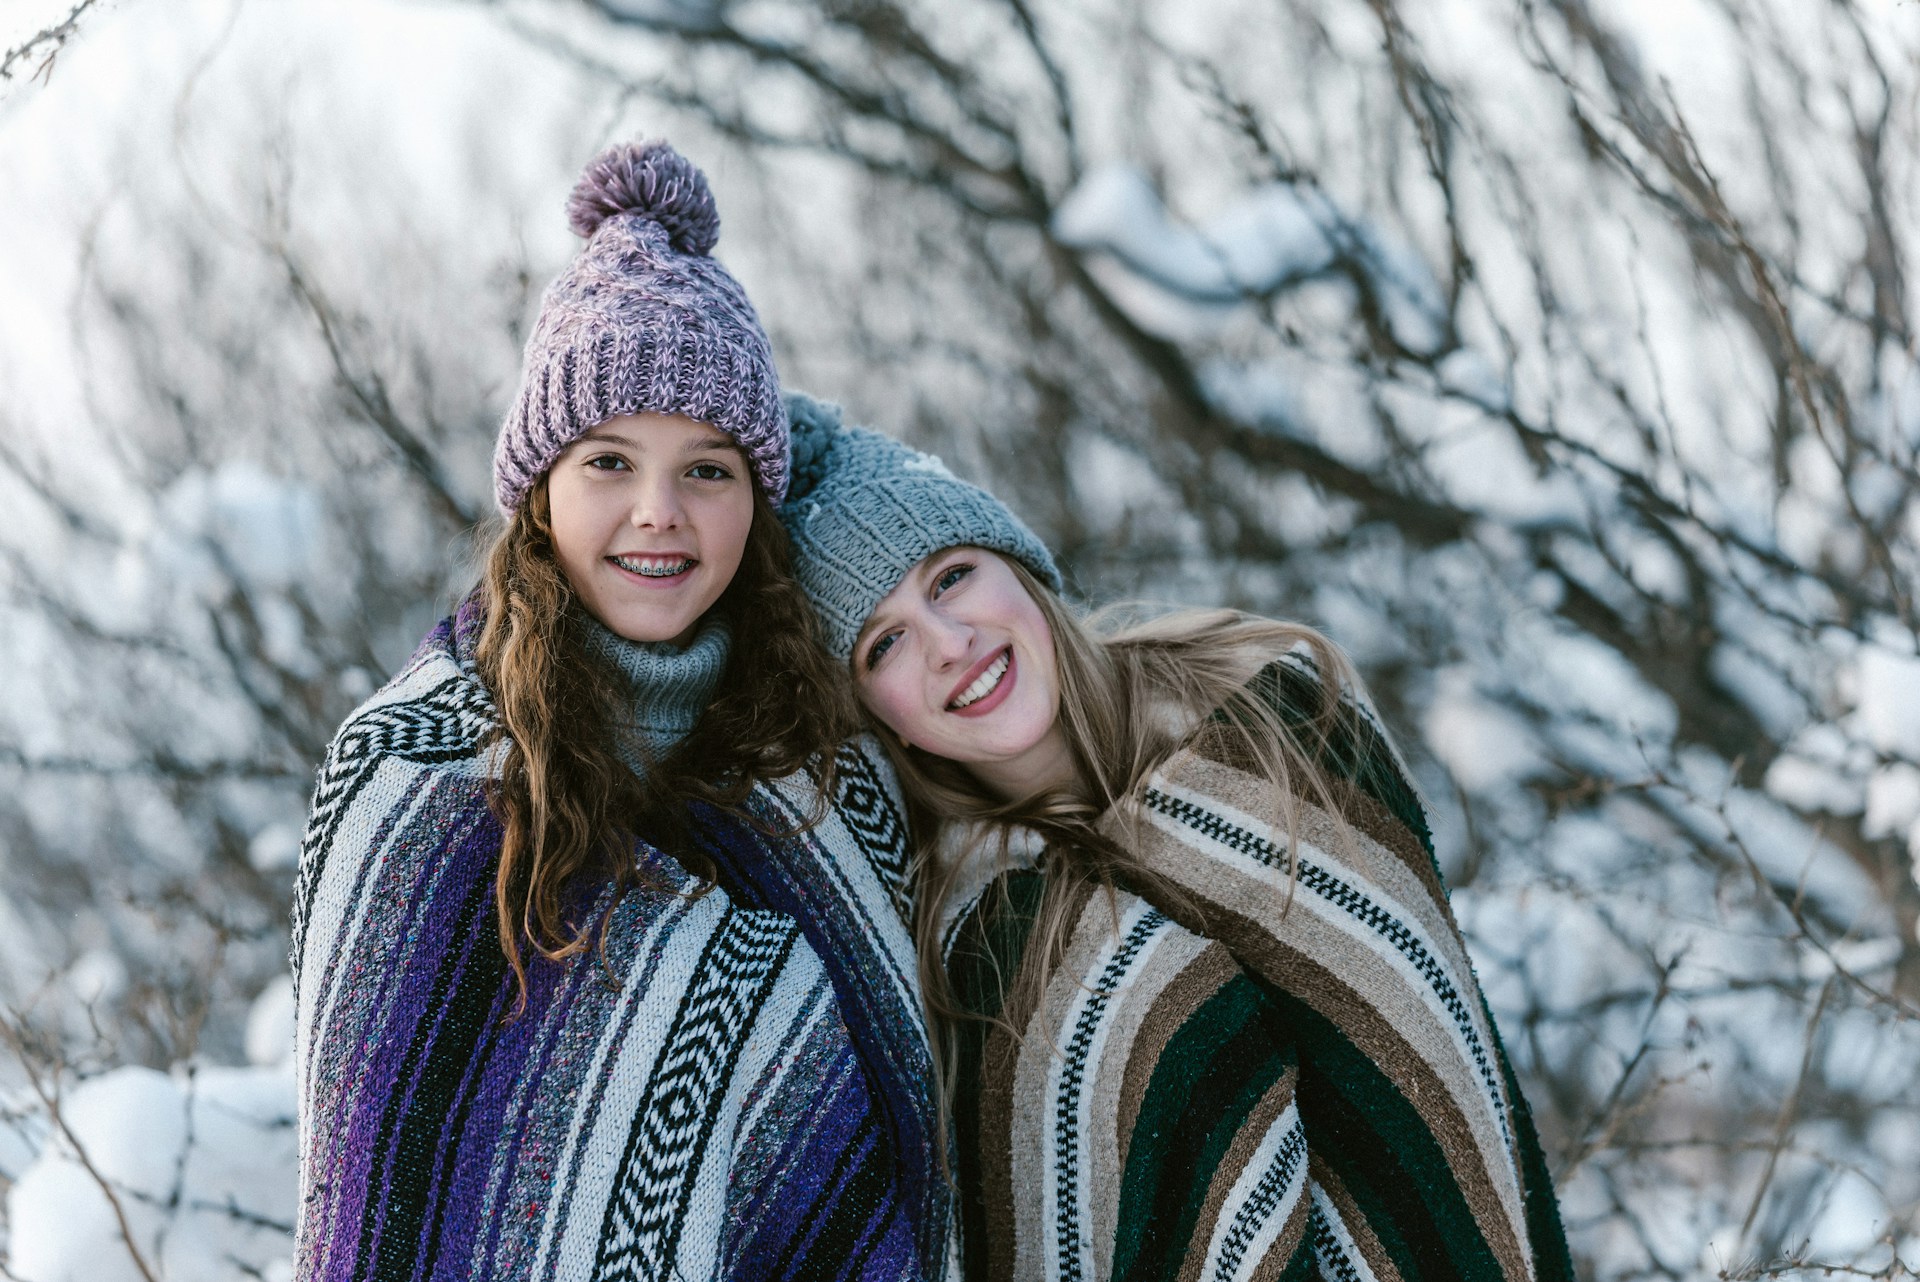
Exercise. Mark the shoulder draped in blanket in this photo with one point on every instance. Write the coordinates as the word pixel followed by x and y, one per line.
pixel 705 1098
pixel 1222 1090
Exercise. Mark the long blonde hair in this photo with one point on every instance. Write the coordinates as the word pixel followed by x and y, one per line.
pixel 1133 687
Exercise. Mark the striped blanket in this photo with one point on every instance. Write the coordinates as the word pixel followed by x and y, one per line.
pixel 1218 1089
pixel 706 1097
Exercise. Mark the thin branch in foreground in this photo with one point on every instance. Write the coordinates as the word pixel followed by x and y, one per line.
pixel 47 1089
pixel 56 36
pixel 159 765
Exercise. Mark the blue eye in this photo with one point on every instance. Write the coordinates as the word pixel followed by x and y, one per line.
pixel 709 472
pixel 950 576
pixel 879 648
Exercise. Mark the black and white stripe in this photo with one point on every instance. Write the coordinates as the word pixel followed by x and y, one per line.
pixel 446 723
pixel 668 1138
pixel 1214 827
pixel 1071 1243
pixel 1276 1193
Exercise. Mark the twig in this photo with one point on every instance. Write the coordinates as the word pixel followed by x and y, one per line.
pixel 49 1096
pixel 56 35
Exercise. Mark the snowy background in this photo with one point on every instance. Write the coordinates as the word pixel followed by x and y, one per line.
pixel 1558 357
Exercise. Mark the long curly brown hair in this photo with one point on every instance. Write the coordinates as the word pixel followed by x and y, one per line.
pixel 572 811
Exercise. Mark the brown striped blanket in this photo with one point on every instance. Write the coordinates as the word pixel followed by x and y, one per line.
pixel 1221 1089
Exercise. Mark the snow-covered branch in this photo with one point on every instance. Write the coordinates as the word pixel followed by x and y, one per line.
pixel 43 46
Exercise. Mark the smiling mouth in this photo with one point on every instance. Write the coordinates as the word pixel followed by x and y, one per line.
pixel 984 684
pixel 654 567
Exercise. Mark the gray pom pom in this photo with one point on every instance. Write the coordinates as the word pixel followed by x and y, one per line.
pixel 813 428
pixel 652 180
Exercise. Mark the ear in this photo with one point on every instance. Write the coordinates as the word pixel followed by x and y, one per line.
pixel 903 740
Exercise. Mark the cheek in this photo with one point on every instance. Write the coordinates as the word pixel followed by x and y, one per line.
pixel 572 522
pixel 725 526
pixel 886 696
pixel 1039 637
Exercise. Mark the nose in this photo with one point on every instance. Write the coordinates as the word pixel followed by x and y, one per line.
pixel 656 504
pixel 949 640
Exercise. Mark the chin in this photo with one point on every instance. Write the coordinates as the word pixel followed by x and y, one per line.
pixel 1010 745
pixel 646 628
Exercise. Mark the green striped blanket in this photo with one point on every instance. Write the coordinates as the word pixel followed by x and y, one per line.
pixel 1223 1090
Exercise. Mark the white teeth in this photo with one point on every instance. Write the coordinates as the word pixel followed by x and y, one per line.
pixel 653 567
pixel 983 684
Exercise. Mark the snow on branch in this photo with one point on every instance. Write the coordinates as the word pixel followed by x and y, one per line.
pixel 44 44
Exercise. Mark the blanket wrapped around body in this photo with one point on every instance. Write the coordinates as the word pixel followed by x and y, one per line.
pixel 703 1097
pixel 1285 1069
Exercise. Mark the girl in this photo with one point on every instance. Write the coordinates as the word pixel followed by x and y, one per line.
pixel 530 1043
pixel 1207 1011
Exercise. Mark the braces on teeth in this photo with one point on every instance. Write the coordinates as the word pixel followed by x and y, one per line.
pixel 652 568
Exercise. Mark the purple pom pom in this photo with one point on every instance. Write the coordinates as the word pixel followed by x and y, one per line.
pixel 653 180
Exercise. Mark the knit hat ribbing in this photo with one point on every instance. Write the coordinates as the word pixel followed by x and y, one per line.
pixel 642 320
pixel 864 509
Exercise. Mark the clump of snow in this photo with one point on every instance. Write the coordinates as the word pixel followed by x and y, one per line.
pixel 1254 247
pixel 131 1124
pixel 1877 489
pixel 266 529
pixel 1466 373
pixel 1110 481
pixel 1273 237
pixel 1721 1254
pixel 1787 850
pixel 1483 745
pixel 931 464
pixel 96 976
pixel 1483 468
pixel 1812 786
pixel 1852 1215
pixel 1849 1058
pixel 202 1165
pixel 275 847
pixel 1892 800
pixel 1655 570
pixel 1593 678
pixel 1889 700
pixel 270 1024
pixel 1357 624
pixel 1260 393
pixel 356 683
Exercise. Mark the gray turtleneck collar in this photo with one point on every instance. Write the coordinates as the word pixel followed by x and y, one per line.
pixel 671 686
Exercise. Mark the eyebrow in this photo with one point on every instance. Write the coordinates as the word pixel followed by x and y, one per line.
pixel 866 632
pixel 700 445
pixel 874 620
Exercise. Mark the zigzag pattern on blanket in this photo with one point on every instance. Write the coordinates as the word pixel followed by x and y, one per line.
pixel 843 881
pixel 689 1104
pixel 1212 1087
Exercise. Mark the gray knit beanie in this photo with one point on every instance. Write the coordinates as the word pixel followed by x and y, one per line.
pixel 642 320
pixel 864 509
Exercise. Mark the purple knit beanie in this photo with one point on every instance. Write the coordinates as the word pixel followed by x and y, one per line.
pixel 642 320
